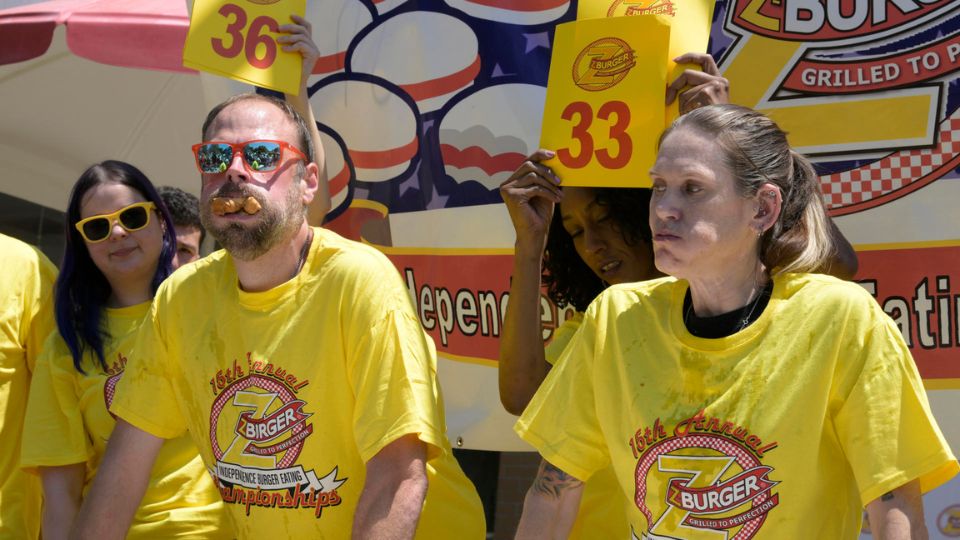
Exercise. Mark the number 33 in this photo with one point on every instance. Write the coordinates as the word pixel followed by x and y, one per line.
pixel 580 133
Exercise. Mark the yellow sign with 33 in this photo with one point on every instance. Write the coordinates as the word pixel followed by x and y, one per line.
pixel 689 22
pixel 605 100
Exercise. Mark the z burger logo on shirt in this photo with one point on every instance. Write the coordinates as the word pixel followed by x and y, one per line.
pixel 257 431
pixel 706 474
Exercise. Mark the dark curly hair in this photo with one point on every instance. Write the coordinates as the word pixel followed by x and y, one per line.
pixel 568 279
pixel 184 208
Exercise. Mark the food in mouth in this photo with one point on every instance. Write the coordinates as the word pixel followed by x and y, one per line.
pixel 222 206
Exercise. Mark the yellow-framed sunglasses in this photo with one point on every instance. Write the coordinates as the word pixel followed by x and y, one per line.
pixel 134 217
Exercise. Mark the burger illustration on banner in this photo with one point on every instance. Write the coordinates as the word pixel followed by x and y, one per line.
pixel 335 24
pixel 338 170
pixel 378 127
pixel 431 66
pixel 485 136
pixel 523 12
pixel 384 6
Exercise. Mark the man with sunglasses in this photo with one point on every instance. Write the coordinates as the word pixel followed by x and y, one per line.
pixel 293 358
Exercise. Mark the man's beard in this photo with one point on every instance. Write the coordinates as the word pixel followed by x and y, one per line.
pixel 247 241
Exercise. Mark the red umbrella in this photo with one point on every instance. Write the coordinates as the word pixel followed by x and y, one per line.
pixel 71 97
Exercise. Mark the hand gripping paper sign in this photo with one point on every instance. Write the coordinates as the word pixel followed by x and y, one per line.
pixel 689 22
pixel 238 39
pixel 604 106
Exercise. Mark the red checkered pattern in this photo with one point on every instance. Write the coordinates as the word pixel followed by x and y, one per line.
pixel 893 172
pixel 109 388
pixel 264 383
pixel 725 446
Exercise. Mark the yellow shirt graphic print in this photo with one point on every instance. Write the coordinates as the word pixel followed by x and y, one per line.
pixel 705 477
pixel 289 392
pixel 780 430
pixel 257 431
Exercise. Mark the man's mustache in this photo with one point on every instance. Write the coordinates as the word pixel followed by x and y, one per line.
pixel 234 191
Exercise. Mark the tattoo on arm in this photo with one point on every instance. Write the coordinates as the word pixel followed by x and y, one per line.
pixel 551 481
pixel 888 496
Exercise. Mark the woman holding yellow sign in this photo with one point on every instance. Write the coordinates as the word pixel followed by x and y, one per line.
pixel 742 395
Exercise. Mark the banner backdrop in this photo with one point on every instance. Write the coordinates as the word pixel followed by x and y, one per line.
pixel 427 106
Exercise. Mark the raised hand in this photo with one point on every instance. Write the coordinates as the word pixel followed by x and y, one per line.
pixel 698 88
pixel 530 194
pixel 298 36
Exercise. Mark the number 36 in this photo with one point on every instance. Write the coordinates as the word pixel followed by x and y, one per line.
pixel 256 37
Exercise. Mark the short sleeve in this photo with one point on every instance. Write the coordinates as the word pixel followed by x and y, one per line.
pixel 393 375
pixel 561 420
pixel 40 324
pixel 390 361
pixel 54 433
pixel 144 396
pixel 561 338
pixel 885 425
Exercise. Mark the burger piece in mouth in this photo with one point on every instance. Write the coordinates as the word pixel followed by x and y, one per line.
pixel 222 206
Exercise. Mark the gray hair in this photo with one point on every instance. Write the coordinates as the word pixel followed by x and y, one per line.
pixel 756 151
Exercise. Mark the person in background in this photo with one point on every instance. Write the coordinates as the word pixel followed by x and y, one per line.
pixel 119 243
pixel 26 319
pixel 184 208
pixel 743 393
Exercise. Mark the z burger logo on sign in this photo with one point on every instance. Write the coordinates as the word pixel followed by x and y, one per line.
pixel 644 7
pixel 602 64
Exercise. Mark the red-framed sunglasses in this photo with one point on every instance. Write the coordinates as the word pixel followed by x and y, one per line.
pixel 258 156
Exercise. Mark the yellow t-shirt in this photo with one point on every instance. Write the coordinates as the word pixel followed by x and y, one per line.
pixel 289 392
pixel 68 422
pixel 601 515
pixel 26 318
pixel 782 430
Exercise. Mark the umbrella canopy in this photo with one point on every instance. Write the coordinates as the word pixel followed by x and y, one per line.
pixel 88 80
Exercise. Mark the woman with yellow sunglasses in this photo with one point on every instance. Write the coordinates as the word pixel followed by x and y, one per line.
pixel 119 245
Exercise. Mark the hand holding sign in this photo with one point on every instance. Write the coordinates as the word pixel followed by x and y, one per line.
pixel 238 39
pixel 605 104
pixel 297 38
pixel 698 88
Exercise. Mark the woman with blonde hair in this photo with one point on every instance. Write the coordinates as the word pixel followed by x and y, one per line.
pixel 742 396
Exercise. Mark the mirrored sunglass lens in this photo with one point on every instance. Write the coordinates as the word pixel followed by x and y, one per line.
pixel 134 218
pixel 96 229
pixel 214 158
pixel 262 155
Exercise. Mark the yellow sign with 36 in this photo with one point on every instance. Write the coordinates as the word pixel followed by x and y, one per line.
pixel 237 39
